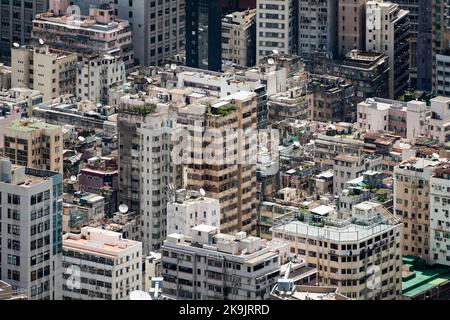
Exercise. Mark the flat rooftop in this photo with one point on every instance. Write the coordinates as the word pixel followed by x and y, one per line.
pixel 418 280
pixel 30 126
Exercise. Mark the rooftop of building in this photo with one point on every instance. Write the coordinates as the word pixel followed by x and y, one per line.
pixel 356 228
pixel 26 125
pixel 22 176
pixel 102 242
pixel 305 292
pixel 418 278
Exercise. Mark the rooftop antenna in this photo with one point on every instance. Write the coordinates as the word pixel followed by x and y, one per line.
pixel 270 61
pixel 81 139
pixel 73 178
pixel 41 42
pixel 202 192
pixel 123 208
pixel 173 66
pixel 16 45
pixel 275 51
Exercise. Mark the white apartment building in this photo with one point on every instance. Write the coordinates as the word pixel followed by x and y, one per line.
pixel 30 225
pixel 239 38
pixel 348 167
pixel 440 215
pixel 50 71
pixel 442 74
pixel 210 265
pixel 361 256
pixel 439 122
pixel 191 210
pixel 100 265
pixel 387 31
pixel 275 27
pixel 96 75
pixel 383 115
pixel 145 167
pixel 317 27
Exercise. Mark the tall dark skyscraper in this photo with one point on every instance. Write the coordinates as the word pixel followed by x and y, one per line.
pixel 203 34
pixel 16 23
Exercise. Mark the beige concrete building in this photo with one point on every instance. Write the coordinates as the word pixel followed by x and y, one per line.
pixel 109 267
pixel 50 71
pixel 351 23
pixel 361 256
pixel 99 32
pixel 412 204
pixel 239 38
pixel 225 169
pixel 34 144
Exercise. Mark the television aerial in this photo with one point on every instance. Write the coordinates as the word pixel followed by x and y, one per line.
pixel 202 192
pixel 275 51
pixel 16 45
pixel 270 61
pixel 173 66
pixel 81 139
pixel 41 42
pixel 73 178
pixel 123 208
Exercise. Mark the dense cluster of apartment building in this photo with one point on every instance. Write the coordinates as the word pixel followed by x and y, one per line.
pixel 232 150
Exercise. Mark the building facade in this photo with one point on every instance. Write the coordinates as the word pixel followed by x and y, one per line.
pixel 388 31
pixel 16 23
pixel 100 265
pixel 239 38
pixel 34 144
pixel 31 227
pixel 215 266
pixel 275 27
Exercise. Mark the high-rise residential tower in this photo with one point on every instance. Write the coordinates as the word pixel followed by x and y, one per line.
pixel 145 167
pixel 351 25
pixel 275 29
pixel 16 23
pixel 31 228
pixel 387 31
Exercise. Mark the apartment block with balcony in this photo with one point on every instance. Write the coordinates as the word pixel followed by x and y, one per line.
pixel 50 71
pixel 317 27
pixel 439 215
pixel 31 228
pixel 388 31
pixel 100 32
pixel 239 38
pixel 100 265
pixel 145 167
pixel 209 265
pixel 412 204
pixel 229 173
pixel 34 144
pixel 350 254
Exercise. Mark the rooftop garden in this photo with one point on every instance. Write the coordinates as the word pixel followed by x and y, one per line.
pixel 141 109
pixel 222 110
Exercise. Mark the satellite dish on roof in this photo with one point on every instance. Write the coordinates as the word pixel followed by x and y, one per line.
pixel 173 66
pixel 123 208
pixel 73 178
pixel 16 45
pixel 41 42
pixel 140 295
pixel 202 192
pixel 81 138
pixel 270 61
pixel 275 51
